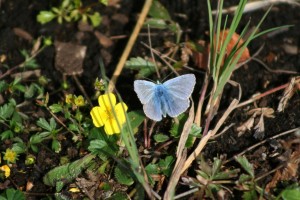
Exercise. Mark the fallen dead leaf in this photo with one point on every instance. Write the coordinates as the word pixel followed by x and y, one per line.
pixel 69 58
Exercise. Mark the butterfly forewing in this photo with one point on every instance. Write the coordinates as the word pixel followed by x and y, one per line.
pixel 182 86
pixel 144 90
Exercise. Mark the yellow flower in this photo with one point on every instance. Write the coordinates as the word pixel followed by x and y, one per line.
pixel 6 170
pixel 79 101
pixel 10 156
pixel 108 114
pixel 69 98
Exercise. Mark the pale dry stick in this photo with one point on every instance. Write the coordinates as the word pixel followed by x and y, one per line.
pixel 169 193
pixel 181 155
pixel 185 132
pixel 269 172
pixel 210 133
pixel 276 71
pixel 180 196
pixel 152 55
pixel 201 100
pixel 223 131
pixel 130 44
pixel 255 5
pixel 262 142
pixel 255 98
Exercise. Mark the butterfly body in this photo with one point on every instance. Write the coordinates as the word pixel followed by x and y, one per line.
pixel 168 98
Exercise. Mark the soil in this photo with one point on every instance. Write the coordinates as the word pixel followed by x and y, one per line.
pixel 280 52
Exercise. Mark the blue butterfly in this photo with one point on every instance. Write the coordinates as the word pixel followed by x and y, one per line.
pixel 170 97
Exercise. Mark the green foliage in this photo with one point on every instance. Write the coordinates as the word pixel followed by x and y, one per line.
pixel 122 176
pixel 49 133
pixel 7 110
pixel 290 194
pixel 59 176
pixel 12 194
pixel 164 167
pixel 103 145
pixel 176 130
pixel 160 137
pixel 71 11
pixel 242 160
pixel 144 67
pixel 161 19
pixel 223 63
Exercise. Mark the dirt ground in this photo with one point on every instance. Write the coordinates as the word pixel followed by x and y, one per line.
pixel 280 54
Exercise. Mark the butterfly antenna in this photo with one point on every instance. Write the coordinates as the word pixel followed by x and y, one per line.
pixel 151 51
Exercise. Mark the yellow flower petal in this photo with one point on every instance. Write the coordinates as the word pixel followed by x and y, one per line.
pixel 120 110
pixel 74 190
pixel 99 116
pixel 111 127
pixel 107 100
pixel 6 170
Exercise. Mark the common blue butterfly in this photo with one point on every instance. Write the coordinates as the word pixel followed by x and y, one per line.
pixel 168 98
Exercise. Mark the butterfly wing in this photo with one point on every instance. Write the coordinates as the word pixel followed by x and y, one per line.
pixel 179 90
pixel 181 87
pixel 153 109
pixel 145 91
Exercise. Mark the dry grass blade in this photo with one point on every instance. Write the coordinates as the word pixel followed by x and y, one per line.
pixel 287 94
pixel 130 44
pixel 181 155
pixel 255 5
pixel 211 133
pixel 185 132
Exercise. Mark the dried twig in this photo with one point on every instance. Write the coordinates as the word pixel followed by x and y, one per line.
pixel 130 44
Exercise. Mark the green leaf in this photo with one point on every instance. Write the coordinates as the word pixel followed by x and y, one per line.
pixel 44 124
pixel 157 10
pixel 52 124
pixel 156 23
pixel 123 177
pixel 55 108
pixel 3 86
pixel 144 67
pixel 96 145
pixel 196 131
pixel 7 110
pixel 152 169
pixel 45 16
pixel 250 195
pixel 165 165
pixel 95 19
pixel 30 91
pixel 7 135
pixel 38 138
pixel 12 194
pixel 135 118
pixel 291 194
pixel 177 128
pixel 242 160
pixel 160 138
pixel 56 146
pixel 105 2
pixel 59 176
pixel 227 174
pixel 19 147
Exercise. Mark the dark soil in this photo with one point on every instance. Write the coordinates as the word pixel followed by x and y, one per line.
pixel 192 17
